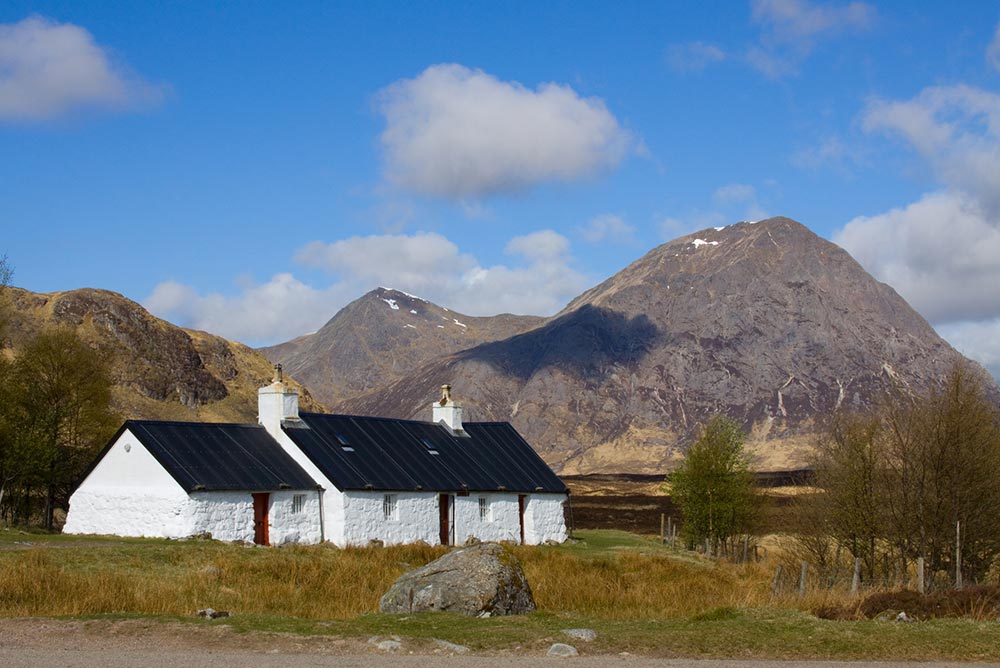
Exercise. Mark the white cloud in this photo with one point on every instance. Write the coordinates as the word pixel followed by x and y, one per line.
pixel 278 310
pixel 608 227
pixel 791 30
pixel 693 56
pixel 539 280
pixel 993 50
pixel 956 129
pixel 801 23
pixel 829 152
pixel 977 340
pixel 458 133
pixel 939 253
pixel 48 69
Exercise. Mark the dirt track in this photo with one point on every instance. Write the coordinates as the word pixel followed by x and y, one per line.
pixel 42 643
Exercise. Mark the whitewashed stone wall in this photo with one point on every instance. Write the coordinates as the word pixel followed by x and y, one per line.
pixel 288 526
pixel 129 494
pixel 503 524
pixel 544 519
pixel 416 519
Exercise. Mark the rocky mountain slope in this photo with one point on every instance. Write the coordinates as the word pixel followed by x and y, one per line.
pixel 765 322
pixel 160 371
pixel 379 337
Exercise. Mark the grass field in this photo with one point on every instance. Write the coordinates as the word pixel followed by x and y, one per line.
pixel 638 595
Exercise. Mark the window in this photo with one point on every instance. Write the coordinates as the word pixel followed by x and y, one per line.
pixel 345 445
pixel 431 448
pixel 298 503
pixel 390 509
pixel 485 510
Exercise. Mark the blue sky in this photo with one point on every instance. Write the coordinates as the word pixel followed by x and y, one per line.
pixel 249 169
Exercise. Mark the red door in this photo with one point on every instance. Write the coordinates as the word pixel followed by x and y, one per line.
pixel 444 516
pixel 521 499
pixel 260 504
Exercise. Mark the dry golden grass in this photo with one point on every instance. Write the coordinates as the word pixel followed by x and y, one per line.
pixel 609 575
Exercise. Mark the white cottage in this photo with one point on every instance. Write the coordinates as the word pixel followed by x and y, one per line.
pixel 313 477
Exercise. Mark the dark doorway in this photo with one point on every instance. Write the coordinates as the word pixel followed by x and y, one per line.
pixel 260 504
pixel 522 500
pixel 444 514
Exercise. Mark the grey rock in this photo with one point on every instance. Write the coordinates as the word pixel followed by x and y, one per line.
pixel 562 649
pixel 389 645
pixel 587 635
pixel 472 581
pixel 903 617
pixel 212 613
pixel 451 647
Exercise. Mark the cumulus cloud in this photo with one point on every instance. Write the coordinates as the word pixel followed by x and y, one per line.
pixel 977 340
pixel 48 69
pixel 955 129
pixel 608 227
pixel 277 310
pixel 940 253
pixel 540 279
pixel 693 56
pixel 993 50
pixel 791 30
pixel 457 133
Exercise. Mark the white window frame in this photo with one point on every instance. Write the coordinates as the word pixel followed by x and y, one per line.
pixel 390 507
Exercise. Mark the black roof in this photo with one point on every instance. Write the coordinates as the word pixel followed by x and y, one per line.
pixel 388 454
pixel 213 457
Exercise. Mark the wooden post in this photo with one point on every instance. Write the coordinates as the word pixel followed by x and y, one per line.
pixel 746 547
pixel 920 575
pixel 958 554
pixel 802 579
pixel 776 584
pixel 708 547
pixel 856 580
pixel 663 528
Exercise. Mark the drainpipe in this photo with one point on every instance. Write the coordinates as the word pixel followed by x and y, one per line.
pixel 322 528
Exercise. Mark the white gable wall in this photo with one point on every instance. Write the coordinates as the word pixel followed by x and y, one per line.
pixel 129 494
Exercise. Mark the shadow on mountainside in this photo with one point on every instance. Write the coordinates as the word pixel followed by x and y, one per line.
pixel 584 343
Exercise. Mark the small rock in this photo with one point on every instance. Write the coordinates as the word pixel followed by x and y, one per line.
pixel 212 613
pixel 587 635
pixel 375 542
pixel 903 617
pixel 451 647
pixel 472 540
pixel 562 649
pixel 389 645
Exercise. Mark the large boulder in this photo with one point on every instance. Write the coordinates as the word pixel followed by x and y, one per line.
pixel 481 580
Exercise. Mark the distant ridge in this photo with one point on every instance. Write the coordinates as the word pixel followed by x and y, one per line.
pixel 160 370
pixel 382 336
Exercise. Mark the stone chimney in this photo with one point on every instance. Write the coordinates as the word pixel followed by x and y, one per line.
pixel 447 411
pixel 277 403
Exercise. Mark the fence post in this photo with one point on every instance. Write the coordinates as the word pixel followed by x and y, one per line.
pixel 920 575
pixel 746 547
pixel 958 554
pixel 776 585
pixel 663 528
pixel 802 579
pixel 856 579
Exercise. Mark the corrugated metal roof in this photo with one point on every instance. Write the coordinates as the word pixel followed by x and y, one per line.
pixel 220 457
pixel 386 454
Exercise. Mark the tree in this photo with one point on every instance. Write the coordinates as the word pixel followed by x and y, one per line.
pixel 713 486
pixel 60 403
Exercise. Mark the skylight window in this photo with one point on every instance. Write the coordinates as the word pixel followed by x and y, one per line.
pixel 431 448
pixel 345 445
